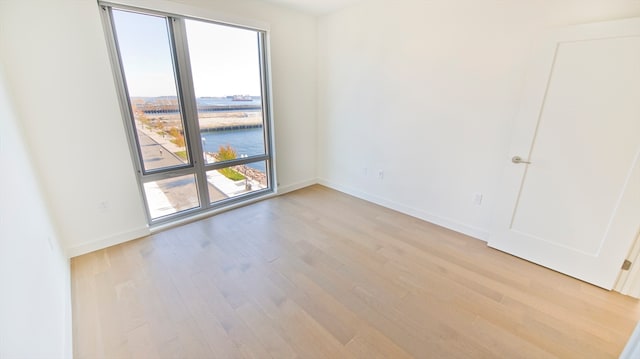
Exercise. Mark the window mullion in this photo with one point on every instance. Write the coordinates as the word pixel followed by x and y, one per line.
pixel 266 106
pixel 166 175
pixel 190 108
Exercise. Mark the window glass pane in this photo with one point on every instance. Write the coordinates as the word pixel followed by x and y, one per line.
pixel 171 195
pixel 158 54
pixel 225 63
pixel 237 180
pixel 147 62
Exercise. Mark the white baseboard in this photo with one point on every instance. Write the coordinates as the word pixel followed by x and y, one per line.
pixel 475 232
pixel 107 241
pixel 471 231
pixel 145 231
pixel 297 186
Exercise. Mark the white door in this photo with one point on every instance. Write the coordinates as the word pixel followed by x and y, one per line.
pixel 576 207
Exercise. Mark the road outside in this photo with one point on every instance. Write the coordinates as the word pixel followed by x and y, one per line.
pixel 180 193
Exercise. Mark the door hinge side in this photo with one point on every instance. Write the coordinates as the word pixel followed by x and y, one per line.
pixel 626 264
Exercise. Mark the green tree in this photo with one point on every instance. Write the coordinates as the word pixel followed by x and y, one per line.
pixel 227 153
pixel 178 138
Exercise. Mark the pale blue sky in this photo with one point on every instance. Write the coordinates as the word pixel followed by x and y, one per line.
pixel 224 60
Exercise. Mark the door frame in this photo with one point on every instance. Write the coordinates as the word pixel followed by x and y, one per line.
pixel 628 282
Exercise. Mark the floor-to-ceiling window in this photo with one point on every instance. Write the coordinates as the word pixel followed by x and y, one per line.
pixel 195 98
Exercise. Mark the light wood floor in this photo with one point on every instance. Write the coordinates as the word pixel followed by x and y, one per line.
pixel 319 274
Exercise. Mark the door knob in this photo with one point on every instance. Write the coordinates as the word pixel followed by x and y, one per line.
pixel 518 159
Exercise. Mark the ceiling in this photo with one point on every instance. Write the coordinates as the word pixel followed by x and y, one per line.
pixel 316 7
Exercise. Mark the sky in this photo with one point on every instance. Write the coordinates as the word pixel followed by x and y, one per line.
pixel 224 60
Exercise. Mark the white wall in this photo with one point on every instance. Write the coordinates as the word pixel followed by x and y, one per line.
pixel 35 297
pixel 59 73
pixel 426 91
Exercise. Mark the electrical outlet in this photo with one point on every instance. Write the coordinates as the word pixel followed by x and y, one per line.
pixel 103 205
pixel 380 175
pixel 477 199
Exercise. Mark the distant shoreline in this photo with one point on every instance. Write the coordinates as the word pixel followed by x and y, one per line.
pixel 211 122
pixel 231 127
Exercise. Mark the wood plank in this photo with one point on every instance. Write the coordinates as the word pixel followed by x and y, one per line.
pixel 319 274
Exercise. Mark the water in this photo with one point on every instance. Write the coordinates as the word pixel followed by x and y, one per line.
pixel 249 142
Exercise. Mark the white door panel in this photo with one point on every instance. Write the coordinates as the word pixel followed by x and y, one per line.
pixel 576 207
